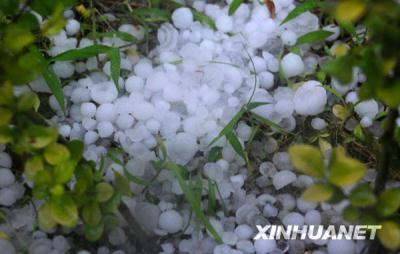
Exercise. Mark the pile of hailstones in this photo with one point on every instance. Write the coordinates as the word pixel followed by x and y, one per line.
pixel 185 91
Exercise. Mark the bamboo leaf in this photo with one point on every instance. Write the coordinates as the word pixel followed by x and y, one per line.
pixel 234 6
pixel 314 36
pixel 115 66
pixel 300 9
pixel 83 53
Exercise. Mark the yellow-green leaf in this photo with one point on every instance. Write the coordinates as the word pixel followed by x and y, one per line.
pixel 39 136
pixel 388 202
pixel 307 159
pixel 63 171
pixel 318 193
pixel 390 235
pixel 339 111
pixel 56 153
pixel 6 94
pixel 344 171
pixel 5 116
pixel 104 192
pixel 362 196
pixel 32 166
pixel 91 213
pixel 93 234
pixel 64 211
pixel 122 184
pixel 27 101
pixel 350 11
pixel 45 219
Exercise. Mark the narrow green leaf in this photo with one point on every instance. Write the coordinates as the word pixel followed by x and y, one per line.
pixel 234 6
pixel 236 145
pixel 151 14
pixel 314 36
pixel 190 197
pixel 307 159
pixel 115 34
pixel 83 53
pixel 212 200
pixel 115 66
pixel 215 154
pixel 202 18
pixel 271 124
pixel 300 9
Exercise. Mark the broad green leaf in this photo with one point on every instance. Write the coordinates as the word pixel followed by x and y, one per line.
pixel 6 94
pixel 362 196
pixel 57 191
pixel 122 184
pixel 215 154
pixel 33 165
pixel 344 171
pixel 390 95
pixel 28 101
pixel 236 145
pixel 314 36
pixel 44 7
pixel 56 153
pixel 115 65
pixel 350 10
pixel 94 233
pixel 75 148
pixel 351 213
pixel 91 213
pixel 83 53
pixel 113 203
pixel 300 9
pixel 115 34
pixel 307 159
pixel 6 135
pixel 5 116
pixel 318 193
pixel 9 7
pixel 389 235
pixel 341 68
pixel 151 14
pixel 358 132
pixel 64 211
pixel 64 171
pixel 190 197
pixel 40 136
pixel 16 38
pixel 55 23
pixel 104 192
pixel 388 202
pixel 28 21
pixel 45 219
pixel 234 6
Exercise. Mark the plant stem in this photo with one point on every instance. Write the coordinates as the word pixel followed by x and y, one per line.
pixel 388 148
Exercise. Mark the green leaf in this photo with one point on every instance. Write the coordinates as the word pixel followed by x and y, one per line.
pixel 350 11
pixel 52 81
pixel 64 211
pixel 45 219
pixel 104 192
pixel 234 6
pixel 362 196
pixel 33 165
pixel 236 145
pixel 388 202
pixel 112 204
pixel 56 153
pixel 307 159
pixel 115 34
pixel 28 21
pixel 215 154
pixel 212 200
pixel 83 53
pixel 344 171
pixel 151 14
pixel 55 23
pixel 6 94
pixel 341 68
pixel 115 65
pixel 358 132
pixel 351 213
pixel 93 233
pixel 5 116
pixel 318 193
pixel 64 171
pixel 314 36
pixel 204 19
pixel 191 198
pixel 91 213
pixel 390 234
pixel 122 184
pixel 75 148
pixel 40 136
pixel 15 38
pixel 300 9
pixel 9 7
pixel 28 101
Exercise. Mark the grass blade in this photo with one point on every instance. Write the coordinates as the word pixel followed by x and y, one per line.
pixel 314 36
pixel 198 16
pixel 300 9
pixel 212 200
pixel 54 83
pixel 271 124
pixel 191 198
pixel 115 65
pixel 229 127
pixel 234 6
pixel 151 14
pixel 236 145
pixel 83 53
pixel 115 34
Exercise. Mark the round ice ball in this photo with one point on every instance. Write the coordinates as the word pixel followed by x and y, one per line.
pixel 182 17
pixel 289 38
pixel 292 65
pixel 104 92
pixel 264 246
pixel 224 23
pixel 6 177
pixel 5 160
pixel 72 27
pixel 341 246
pixel 310 98
pixel 170 221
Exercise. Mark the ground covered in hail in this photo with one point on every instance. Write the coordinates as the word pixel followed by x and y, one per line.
pixel 181 95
